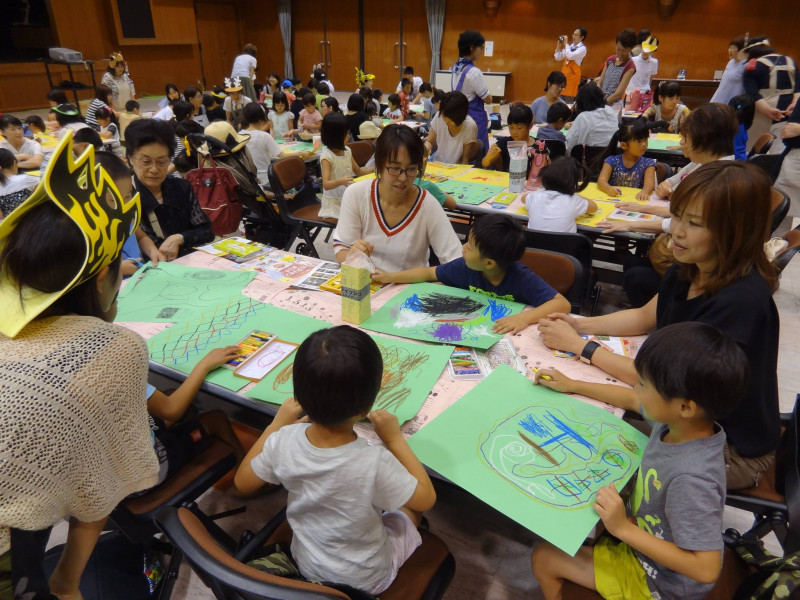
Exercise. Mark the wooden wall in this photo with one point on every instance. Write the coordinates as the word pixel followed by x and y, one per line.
pixel 695 38
pixel 523 32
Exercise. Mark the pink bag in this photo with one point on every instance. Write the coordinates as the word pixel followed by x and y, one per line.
pixel 540 158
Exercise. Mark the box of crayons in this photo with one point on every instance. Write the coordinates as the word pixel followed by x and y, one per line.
pixel 463 364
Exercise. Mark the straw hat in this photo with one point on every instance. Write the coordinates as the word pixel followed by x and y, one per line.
pixel 650 44
pixel 225 133
pixel 368 131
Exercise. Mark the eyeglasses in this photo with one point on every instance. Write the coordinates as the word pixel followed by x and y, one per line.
pixel 397 171
pixel 146 162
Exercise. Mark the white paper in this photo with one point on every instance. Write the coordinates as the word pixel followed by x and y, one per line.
pixel 265 359
pixel 488 49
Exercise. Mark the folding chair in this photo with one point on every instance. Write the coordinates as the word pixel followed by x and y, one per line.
pixel 576 245
pixel 424 576
pixel 780 208
pixel 301 212
pixel 362 151
pixel 663 171
pixel 556 148
pixel 134 517
pixel 782 260
pixel 762 145
pixel 769 162
pixel 588 155
pixel 562 272
pixel 775 501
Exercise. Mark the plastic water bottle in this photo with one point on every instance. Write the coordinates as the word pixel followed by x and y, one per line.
pixel 518 166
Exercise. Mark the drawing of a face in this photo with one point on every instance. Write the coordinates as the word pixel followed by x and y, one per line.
pixel 555 458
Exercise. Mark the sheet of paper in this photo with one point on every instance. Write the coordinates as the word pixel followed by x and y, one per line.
pixel 146 330
pixel 281 266
pixel 470 192
pixel 266 359
pixel 410 371
pixel 171 292
pixel 535 455
pixel 592 192
pixel 446 169
pixel 437 313
pixel 485 177
pixel 184 344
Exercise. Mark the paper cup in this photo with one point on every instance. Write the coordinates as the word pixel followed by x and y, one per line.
pixel 317 139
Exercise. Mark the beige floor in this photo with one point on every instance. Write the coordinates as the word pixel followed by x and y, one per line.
pixel 492 552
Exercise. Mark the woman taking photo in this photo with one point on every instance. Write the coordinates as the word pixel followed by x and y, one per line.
pixel 171 215
pixel 723 278
pixel 73 416
pixel 571 55
pixel 390 219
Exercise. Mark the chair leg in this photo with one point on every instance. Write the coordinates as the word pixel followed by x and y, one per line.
pixel 171 575
pixel 292 237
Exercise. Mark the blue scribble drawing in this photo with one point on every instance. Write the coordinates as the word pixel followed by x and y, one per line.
pixel 497 310
pixel 554 458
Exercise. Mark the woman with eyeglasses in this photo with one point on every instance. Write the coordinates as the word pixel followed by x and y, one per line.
pixel 171 215
pixel 389 218
pixel 553 87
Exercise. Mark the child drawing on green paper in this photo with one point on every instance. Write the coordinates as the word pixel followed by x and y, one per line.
pixel 690 374
pixel 491 266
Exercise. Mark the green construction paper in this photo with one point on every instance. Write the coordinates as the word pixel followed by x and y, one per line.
pixel 467 192
pixel 185 343
pixel 657 144
pixel 477 443
pixel 410 371
pixel 172 293
pixel 442 314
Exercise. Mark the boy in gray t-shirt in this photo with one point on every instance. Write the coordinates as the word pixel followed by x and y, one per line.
pixel 690 374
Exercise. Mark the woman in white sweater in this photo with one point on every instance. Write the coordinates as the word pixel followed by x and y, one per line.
pixel 391 219
pixel 73 416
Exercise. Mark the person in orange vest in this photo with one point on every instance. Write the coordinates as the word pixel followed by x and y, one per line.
pixel 572 56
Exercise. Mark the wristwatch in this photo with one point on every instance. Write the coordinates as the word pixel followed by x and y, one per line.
pixel 588 352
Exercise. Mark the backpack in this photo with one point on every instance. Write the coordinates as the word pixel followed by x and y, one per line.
pixel 216 191
pixel 775 577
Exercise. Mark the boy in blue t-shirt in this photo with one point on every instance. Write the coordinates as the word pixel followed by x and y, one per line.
pixel 690 375
pixel 491 266
pixel 557 116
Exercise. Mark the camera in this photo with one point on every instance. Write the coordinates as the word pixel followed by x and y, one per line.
pixel 562 38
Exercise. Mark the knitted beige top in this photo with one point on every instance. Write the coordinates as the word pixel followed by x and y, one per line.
pixel 74 434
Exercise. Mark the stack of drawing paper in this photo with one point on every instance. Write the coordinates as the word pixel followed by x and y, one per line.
pixel 170 292
pixel 535 455
pixel 410 371
pixel 438 313
pixel 185 343
pixel 470 192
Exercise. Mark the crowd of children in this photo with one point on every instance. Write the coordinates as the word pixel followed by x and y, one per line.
pixel 705 380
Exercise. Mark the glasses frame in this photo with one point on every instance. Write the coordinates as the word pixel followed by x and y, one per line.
pixel 151 163
pixel 406 171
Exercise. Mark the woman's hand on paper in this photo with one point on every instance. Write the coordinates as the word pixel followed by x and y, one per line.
pixel 558 332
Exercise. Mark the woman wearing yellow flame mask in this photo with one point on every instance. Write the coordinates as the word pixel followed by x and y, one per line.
pixel 73 441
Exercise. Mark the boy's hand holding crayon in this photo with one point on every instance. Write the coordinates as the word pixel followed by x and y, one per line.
pixel 611 508
pixel 386 426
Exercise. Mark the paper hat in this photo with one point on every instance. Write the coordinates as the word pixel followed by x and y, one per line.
pixel 368 131
pixel 116 59
pixel 66 109
pixel 234 85
pixel 650 44
pixel 88 196
pixel 225 133
pixel 286 83
pixel 362 78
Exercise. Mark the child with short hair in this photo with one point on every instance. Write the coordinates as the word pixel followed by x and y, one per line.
pixel 279 118
pixel 428 109
pixel 262 146
pixel 377 96
pixel 323 91
pixel 15 187
pixel 337 478
pixel 28 152
pixel 453 131
pixel 667 113
pixel 309 120
pixel 490 265
pixel 288 89
pixel 296 106
pixel 416 83
pixel 631 168
pixel 35 124
pixel 557 206
pixel 405 96
pixel 109 132
pixel 213 103
pixel 557 116
pixel 690 375
pixel 337 163
pixel 520 122
pixel 394 110
pixel 128 116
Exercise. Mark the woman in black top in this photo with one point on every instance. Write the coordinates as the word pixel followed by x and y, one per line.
pixel 722 277
pixel 171 215
pixel 355 115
